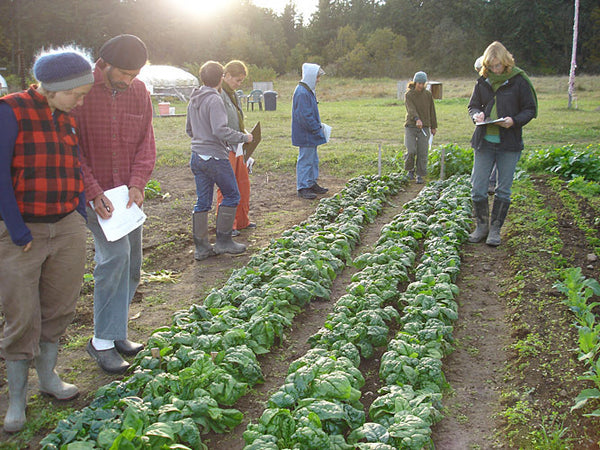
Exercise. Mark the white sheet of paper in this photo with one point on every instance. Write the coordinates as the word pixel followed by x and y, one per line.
pixel 239 150
pixel 124 220
pixel 326 131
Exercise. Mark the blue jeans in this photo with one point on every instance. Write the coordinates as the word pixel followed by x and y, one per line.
pixel 484 159
pixel 116 277
pixel 209 172
pixel 307 167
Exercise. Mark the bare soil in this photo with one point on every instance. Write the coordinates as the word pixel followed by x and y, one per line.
pixel 475 371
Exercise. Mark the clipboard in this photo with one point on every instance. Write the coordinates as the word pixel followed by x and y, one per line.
pixel 488 122
pixel 249 147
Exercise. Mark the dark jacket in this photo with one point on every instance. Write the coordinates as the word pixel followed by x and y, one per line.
pixel 514 99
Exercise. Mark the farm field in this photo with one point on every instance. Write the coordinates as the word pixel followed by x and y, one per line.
pixel 513 375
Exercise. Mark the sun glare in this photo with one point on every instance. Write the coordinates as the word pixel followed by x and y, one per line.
pixel 200 8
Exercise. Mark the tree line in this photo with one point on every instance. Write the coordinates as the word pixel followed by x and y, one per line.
pixel 355 38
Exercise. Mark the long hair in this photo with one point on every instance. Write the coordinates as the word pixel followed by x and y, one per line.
pixel 499 51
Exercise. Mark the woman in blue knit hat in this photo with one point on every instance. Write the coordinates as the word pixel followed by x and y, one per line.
pixel 42 224
pixel 419 126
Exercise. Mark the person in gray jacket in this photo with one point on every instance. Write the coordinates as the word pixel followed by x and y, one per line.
pixel 207 126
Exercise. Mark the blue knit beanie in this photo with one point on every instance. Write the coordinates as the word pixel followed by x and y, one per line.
pixel 420 77
pixel 62 70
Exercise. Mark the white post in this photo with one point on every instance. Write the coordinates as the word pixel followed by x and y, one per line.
pixel 573 55
pixel 379 162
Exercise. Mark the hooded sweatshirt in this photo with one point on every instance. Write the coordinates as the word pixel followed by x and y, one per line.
pixel 207 124
pixel 306 122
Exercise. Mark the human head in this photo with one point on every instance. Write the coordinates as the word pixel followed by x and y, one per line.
pixel 311 73
pixel 419 80
pixel 211 74
pixel 494 56
pixel 122 58
pixel 64 75
pixel 235 73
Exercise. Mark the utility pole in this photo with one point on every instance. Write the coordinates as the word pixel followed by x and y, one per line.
pixel 574 57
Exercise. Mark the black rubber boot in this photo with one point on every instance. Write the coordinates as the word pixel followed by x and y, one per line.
pixel 481 209
pixel 200 230
pixel 499 211
pixel 224 244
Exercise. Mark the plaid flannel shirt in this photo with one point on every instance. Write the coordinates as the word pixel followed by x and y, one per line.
pixel 116 137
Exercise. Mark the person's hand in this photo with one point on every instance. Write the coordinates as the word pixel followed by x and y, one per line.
pixel 479 117
pixel 433 131
pixel 136 195
pixel 27 246
pixel 507 123
pixel 103 206
pixel 419 123
pixel 249 137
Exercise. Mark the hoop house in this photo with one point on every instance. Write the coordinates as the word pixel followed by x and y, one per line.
pixel 168 80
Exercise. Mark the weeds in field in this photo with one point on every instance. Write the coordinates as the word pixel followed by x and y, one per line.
pixel 535 227
pixel 572 204
pixel 551 436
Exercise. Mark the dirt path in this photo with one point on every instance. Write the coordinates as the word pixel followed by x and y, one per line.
pixel 474 371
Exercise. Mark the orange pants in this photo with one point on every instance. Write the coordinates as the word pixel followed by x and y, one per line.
pixel 243 181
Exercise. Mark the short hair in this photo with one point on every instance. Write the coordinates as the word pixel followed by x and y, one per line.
pixel 236 68
pixel 499 51
pixel 211 73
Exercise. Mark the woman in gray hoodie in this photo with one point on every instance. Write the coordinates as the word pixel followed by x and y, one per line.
pixel 207 126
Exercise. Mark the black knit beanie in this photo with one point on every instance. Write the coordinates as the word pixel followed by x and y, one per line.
pixel 125 51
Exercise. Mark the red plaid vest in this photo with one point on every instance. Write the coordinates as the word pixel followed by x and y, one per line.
pixel 45 167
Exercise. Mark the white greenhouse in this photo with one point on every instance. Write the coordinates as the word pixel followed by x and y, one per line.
pixel 168 81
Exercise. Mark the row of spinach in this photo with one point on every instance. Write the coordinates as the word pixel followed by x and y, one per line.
pixel 191 372
pixel 319 405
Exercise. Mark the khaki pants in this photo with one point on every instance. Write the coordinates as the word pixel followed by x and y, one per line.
pixel 417 147
pixel 39 288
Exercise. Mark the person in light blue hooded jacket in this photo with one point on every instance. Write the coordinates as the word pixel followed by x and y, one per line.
pixel 307 132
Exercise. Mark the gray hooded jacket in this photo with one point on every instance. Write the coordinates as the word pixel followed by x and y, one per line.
pixel 207 124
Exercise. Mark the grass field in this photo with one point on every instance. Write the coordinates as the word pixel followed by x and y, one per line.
pixel 367 113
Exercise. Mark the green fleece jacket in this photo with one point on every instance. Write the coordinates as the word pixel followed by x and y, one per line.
pixel 419 105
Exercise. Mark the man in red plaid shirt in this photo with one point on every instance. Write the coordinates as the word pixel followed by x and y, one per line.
pixel 117 143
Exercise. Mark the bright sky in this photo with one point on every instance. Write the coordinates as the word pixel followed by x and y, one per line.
pixel 206 8
pixel 304 7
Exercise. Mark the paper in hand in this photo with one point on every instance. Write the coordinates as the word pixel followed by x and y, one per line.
pixel 326 131
pixel 123 220
pixel 487 122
